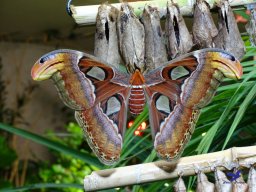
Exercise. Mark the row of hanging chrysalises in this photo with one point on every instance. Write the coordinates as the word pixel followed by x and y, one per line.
pixel 233 183
pixel 145 45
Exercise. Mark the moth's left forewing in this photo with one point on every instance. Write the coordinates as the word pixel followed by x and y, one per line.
pixel 169 80
pixel 96 91
pixel 177 92
pixel 112 89
pixel 200 86
pixel 198 75
pixel 107 80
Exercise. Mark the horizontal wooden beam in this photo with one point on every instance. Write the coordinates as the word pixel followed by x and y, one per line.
pixel 160 170
pixel 86 15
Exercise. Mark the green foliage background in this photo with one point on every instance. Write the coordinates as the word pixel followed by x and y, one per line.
pixel 228 121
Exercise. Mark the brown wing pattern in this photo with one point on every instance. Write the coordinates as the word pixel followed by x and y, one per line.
pixel 104 126
pixel 99 94
pixel 106 80
pixel 96 91
pixel 182 88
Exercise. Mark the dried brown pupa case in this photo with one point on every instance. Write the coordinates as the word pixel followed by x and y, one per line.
pixel 222 184
pixel 204 29
pixel 106 42
pixel 252 180
pixel 228 37
pixel 179 40
pixel 239 185
pixel 131 38
pixel 251 26
pixel 179 186
pixel 155 51
pixel 203 185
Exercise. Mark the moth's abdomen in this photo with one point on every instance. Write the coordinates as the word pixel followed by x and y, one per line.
pixel 136 100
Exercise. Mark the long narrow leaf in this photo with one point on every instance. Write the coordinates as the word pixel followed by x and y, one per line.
pixel 42 186
pixel 251 95
pixel 128 136
pixel 52 145
pixel 207 140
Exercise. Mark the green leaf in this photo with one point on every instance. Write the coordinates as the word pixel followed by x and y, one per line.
pixel 7 154
pixel 52 145
pixel 243 14
pixel 205 143
pixel 42 186
pixel 240 113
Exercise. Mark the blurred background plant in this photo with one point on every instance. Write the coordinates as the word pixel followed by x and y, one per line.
pixel 65 168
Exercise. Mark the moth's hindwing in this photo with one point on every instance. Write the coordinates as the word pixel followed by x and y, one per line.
pixel 104 123
pixel 175 132
pixel 172 124
pixel 104 127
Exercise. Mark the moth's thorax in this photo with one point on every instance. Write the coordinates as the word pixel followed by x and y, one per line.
pixel 137 78
pixel 137 96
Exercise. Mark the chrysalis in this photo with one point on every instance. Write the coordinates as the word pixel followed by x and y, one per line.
pixel 179 186
pixel 222 184
pixel 155 51
pixel 252 180
pixel 229 37
pixel 251 25
pixel 179 40
pixel 131 39
pixel 238 184
pixel 106 42
pixel 204 29
pixel 203 185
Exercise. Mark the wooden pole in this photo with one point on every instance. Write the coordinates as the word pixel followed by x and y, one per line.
pixel 86 15
pixel 160 170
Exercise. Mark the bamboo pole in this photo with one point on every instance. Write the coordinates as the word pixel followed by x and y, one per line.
pixel 160 170
pixel 86 15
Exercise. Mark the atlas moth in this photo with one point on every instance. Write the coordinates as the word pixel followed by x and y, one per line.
pixel 101 95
